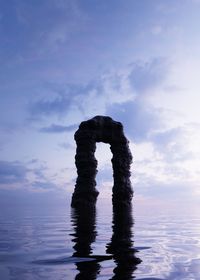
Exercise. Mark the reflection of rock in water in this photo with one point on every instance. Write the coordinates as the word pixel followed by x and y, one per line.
pixel 101 129
pixel 84 222
pixel 121 245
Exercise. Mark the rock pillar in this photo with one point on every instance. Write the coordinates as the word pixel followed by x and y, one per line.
pixel 101 129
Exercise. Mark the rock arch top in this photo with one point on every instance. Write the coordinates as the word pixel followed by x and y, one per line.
pixel 101 129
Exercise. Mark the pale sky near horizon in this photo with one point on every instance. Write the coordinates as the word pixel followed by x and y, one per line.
pixel 65 61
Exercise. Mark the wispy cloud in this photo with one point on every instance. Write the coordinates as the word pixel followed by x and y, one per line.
pixel 57 106
pixel 139 121
pixel 172 144
pixel 12 172
pixel 88 99
pixel 55 128
pixel 153 188
pixel 37 185
pixel 147 75
pixel 31 176
pixel 116 88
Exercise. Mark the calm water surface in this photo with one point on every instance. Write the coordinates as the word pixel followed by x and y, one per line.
pixel 53 244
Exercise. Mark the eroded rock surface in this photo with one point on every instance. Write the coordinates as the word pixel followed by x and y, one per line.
pixel 101 129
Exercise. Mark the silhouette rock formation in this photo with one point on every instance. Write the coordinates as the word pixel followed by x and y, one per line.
pixel 101 129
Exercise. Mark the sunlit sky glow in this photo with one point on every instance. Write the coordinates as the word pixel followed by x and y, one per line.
pixel 65 61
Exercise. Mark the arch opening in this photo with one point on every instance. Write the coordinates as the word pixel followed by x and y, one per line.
pixel 104 176
pixel 106 130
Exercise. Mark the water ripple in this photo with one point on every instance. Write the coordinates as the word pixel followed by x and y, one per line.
pixel 41 247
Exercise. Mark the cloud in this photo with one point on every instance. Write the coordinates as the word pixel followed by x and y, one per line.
pixel 177 190
pixel 12 172
pixel 138 119
pixel 117 87
pixel 172 144
pixel 23 175
pixel 169 165
pixel 44 185
pixel 163 138
pixel 83 100
pixel 147 75
pixel 55 128
pixel 118 94
pixel 57 106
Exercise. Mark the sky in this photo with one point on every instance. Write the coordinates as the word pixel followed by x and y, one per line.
pixel 66 61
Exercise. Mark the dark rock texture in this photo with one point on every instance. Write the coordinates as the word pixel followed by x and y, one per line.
pixel 101 129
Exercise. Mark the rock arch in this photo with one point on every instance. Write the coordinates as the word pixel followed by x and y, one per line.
pixel 101 129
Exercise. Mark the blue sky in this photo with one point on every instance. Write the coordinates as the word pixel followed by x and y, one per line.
pixel 65 61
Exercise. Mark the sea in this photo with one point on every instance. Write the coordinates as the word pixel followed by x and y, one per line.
pixel 103 243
